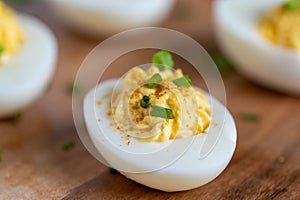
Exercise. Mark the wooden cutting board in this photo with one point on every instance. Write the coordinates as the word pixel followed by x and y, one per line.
pixel 266 164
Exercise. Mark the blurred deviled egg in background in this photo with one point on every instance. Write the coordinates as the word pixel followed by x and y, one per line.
pixel 28 52
pixel 262 38
pixel 101 17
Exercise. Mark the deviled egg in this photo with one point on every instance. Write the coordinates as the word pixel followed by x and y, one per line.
pixel 102 17
pixel 262 38
pixel 27 60
pixel 151 124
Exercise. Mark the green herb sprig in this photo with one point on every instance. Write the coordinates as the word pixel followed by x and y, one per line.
pixel 163 60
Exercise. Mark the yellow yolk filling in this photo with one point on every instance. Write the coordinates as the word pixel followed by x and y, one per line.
pixel 282 27
pixel 11 36
pixel 190 107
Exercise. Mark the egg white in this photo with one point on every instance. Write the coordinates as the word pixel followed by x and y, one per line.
pixel 25 75
pixel 236 29
pixel 102 17
pixel 181 170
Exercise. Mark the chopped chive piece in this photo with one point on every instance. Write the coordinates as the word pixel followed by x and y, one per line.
pixel 292 5
pixel 183 81
pixel 249 116
pixel 74 88
pixel 221 62
pixel 154 81
pixel 68 145
pixel 145 101
pixel 163 60
pixel 112 170
pixel 1 49
pixel 0 155
pixel 157 111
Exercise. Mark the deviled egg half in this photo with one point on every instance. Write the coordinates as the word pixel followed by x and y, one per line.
pixel 151 124
pixel 27 60
pixel 101 17
pixel 262 38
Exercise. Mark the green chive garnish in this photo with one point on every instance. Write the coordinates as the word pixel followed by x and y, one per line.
pixel 157 111
pixel 1 49
pixel 112 170
pixel 221 62
pixel 249 116
pixel 154 81
pixel 292 5
pixel 145 101
pixel 183 81
pixel 163 60
pixel 68 145
pixel 73 88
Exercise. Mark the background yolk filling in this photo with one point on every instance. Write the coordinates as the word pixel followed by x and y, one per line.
pixel 10 32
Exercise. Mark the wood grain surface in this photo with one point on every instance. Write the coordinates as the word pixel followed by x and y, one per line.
pixel 266 164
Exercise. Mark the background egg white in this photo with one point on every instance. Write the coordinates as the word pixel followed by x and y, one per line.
pixel 102 17
pixel 27 74
pixel 236 29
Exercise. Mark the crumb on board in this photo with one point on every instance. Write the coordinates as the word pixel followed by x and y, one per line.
pixel 281 159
